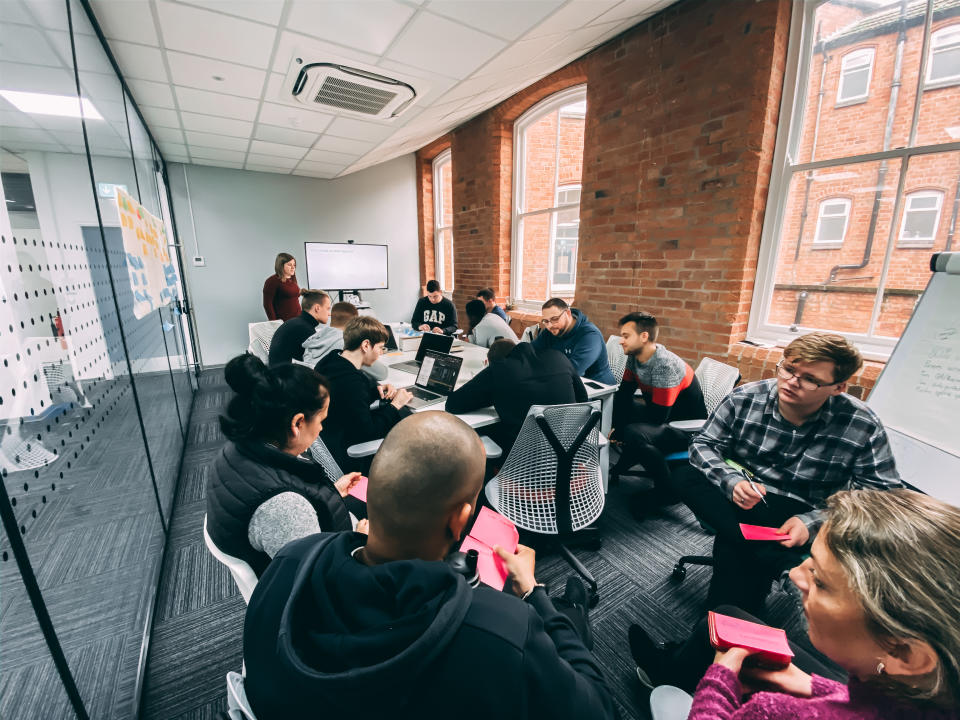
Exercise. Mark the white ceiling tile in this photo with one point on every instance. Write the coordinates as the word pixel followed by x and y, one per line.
pixel 90 55
pixel 176 158
pixel 467 89
pixel 320 167
pixel 172 148
pixel 429 86
pixel 253 167
pixel 139 61
pixel 627 9
pixel 368 26
pixel 201 32
pixel 333 158
pixel 160 117
pixel 507 19
pixel 275 88
pixel 295 118
pixel 15 118
pixel 26 135
pixel 215 141
pixel 199 72
pixel 129 20
pixel 431 41
pixel 33 78
pixel 147 92
pixel 580 41
pixel 285 136
pixel 571 16
pixel 217 154
pixel 265 11
pixel 218 163
pixel 49 14
pixel 217 125
pixel 343 145
pixel 358 129
pixel 18 146
pixel 209 103
pixel 319 174
pixel 310 49
pixel 519 54
pixel 102 89
pixel 28 45
pixel 165 134
pixel 276 150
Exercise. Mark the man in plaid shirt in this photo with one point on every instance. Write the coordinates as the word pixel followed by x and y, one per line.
pixel 771 454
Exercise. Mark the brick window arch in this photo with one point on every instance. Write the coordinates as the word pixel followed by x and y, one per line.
pixel 548 163
pixel 856 71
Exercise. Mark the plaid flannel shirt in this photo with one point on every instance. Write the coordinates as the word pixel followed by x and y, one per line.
pixel 843 446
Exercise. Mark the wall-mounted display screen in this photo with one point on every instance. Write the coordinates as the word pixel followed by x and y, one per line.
pixel 346 266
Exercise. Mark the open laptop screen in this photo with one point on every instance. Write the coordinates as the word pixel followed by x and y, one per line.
pixel 438 372
pixel 435 342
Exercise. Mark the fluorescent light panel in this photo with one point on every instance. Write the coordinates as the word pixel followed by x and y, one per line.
pixel 43 104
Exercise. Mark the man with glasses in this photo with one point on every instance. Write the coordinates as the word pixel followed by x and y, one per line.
pixel 570 332
pixel 771 454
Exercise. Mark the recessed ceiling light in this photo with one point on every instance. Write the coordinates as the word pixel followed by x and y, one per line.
pixel 43 104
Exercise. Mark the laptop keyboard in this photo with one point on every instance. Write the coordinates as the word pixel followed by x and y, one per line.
pixel 422 394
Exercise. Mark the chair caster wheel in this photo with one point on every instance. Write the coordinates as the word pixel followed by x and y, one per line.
pixel 592 599
pixel 679 573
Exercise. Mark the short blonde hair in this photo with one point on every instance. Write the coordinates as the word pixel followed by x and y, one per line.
pixel 826 347
pixel 899 550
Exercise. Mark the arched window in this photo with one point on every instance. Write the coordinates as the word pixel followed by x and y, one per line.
pixel 856 69
pixel 943 65
pixel 548 163
pixel 443 219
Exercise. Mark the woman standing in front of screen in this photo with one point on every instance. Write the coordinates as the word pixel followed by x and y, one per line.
pixel 280 292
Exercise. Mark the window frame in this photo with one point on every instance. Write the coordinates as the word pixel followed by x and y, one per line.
pixel 849 57
pixel 915 242
pixel 785 165
pixel 546 106
pixel 830 244
pixel 437 164
pixel 929 81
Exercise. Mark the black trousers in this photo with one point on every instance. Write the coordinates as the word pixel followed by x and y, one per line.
pixel 649 444
pixel 742 569
pixel 692 658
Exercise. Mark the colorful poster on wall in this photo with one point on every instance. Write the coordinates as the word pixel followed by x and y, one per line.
pixel 149 264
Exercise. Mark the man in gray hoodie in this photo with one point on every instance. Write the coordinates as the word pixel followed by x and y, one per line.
pixel 327 338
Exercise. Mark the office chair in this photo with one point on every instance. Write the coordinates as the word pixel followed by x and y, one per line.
pixel 261 333
pixel 616 357
pixel 238 707
pixel 550 483
pixel 369 448
pixel 242 573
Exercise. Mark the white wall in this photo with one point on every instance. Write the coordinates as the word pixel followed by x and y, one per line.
pixel 243 219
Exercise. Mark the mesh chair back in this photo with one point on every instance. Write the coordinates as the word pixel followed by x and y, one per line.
pixel 716 380
pixel 616 357
pixel 526 487
pixel 321 455
pixel 261 333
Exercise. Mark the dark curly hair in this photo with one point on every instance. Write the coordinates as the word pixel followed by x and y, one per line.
pixel 267 399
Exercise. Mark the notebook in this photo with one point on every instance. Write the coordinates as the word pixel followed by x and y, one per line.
pixel 428 341
pixel 437 379
pixel 769 645
pixel 489 529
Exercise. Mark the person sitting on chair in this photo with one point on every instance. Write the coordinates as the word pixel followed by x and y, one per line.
pixel 287 341
pixel 570 332
pixel 771 453
pixel 262 493
pixel 670 392
pixel 486 327
pixel 351 420
pixel 489 300
pixel 348 626
pixel 517 376
pixel 330 337
pixel 433 312
pixel 881 597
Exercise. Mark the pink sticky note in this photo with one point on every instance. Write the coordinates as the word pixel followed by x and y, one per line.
pixel 359 491
pixel 759 532
pixel 489 567
pixel 492 528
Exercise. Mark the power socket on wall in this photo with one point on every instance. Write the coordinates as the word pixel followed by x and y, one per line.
pixel 198 261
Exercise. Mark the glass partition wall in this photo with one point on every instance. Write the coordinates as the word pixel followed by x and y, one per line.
pixel 94 397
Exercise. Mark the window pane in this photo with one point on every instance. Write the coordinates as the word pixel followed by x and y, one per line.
pixel 446 279
pixel 833 288
pixel 945 63
pixel 565 256
pixel 831 229
pixel 540 163
pixel 939 120
pixel 446 188
pixel 534 236
pixel 854 84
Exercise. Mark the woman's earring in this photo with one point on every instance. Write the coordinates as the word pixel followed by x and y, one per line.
pixel 880 668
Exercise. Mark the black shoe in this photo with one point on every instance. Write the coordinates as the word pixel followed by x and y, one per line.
pixel 575 597
pixel 653 659
pixel 575 593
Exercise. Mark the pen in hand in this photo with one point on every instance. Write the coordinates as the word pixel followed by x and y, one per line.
pixel 754 487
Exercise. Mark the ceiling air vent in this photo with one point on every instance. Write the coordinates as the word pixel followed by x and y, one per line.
pixel 342 89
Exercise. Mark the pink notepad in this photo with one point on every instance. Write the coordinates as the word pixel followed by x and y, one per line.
pixel 769 645
pixel 359 491
pixel 759 532
pixel 491 529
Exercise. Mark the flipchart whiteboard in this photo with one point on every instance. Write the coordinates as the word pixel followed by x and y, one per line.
pixel 917 396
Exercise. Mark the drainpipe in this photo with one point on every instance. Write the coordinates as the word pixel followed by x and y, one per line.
pixel 887 134
pixel 952 228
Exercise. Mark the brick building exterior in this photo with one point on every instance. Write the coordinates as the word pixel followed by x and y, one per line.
pixel 678 144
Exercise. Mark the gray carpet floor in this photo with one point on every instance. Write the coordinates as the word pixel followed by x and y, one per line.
pixel 197 633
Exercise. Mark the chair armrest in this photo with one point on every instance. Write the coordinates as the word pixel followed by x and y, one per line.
pixel 493 450
pixel 688 426
pixel 364 449
pixel 602 440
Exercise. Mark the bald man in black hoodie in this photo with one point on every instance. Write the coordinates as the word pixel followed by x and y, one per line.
pixel 343 625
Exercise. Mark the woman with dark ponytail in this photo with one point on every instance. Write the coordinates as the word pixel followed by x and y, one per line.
pixel 262 494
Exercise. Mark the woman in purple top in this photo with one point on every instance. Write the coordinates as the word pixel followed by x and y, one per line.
pixel 881 595
pixel 281 294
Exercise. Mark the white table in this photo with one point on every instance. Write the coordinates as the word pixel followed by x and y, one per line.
pixel 473 362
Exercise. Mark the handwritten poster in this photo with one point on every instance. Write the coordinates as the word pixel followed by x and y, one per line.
pixel 150 267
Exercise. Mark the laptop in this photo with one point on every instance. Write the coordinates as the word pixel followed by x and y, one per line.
pixel 391 343
pixel 428 342
pixel 437 379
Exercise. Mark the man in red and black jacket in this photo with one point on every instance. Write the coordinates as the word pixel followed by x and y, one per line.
pixel 670 392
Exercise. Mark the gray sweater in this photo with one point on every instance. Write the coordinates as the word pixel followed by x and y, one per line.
pixel 326 339
pixel 491 328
